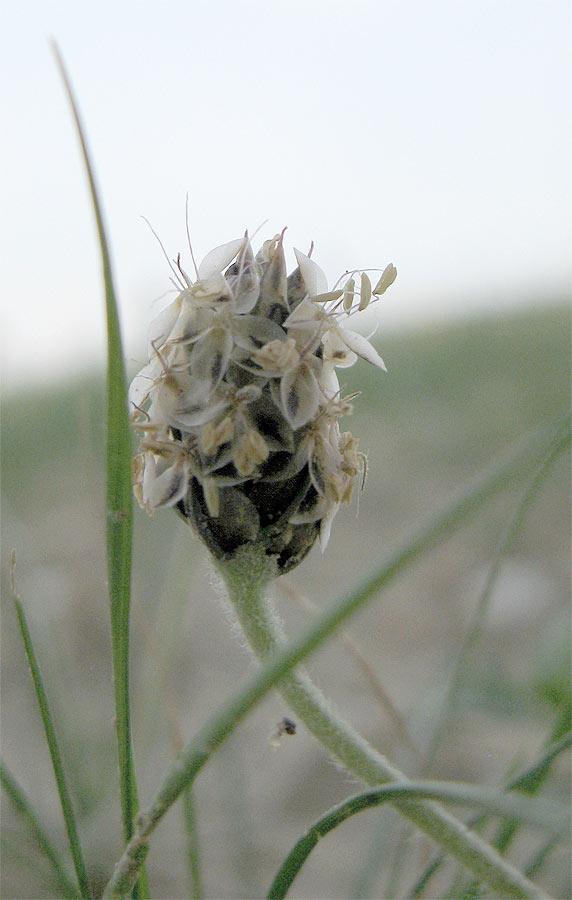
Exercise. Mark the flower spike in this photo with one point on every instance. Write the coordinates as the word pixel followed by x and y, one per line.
pixel 239 403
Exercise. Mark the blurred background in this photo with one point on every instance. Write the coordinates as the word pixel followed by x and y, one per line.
pixel 434 136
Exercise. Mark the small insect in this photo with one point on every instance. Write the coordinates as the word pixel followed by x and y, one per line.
pixel 286 726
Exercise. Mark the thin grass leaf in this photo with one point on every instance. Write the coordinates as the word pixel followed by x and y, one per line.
pixel 532 775
pixel 539 858
pixel 25 809
pixel 400 856
pixel 508 830
pixel 535 814
pixel 194 756
pixel 560 441
pixel 51 740
pixel 193 855
pixel 376 857
pixel 419 887
pixel 528 783
pixel 12 851
pixel 119 495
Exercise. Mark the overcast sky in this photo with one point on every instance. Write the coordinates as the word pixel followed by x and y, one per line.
pixel 434 135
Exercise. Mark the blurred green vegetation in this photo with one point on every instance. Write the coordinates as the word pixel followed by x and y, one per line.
pixel 492 377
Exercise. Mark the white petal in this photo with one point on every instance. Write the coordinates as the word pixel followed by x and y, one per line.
pixel 326 525
pixel 210 356
pixel 198 411
pixel 161 327
pixel 252 332
pixel 248 296
pixel 149 475
pixel 361 346
pixel 336 351
pixel 314 278
pixel 219 258
pixel 211 290
pixel 243 280
pixel 328 381
pixel 143 382
pixel 306 312
pixel 191 324
pixel 167 488
pixel 300 395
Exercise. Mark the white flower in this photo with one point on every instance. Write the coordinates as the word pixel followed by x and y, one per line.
pixel 239 401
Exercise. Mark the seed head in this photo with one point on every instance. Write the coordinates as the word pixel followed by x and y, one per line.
pixel 239 402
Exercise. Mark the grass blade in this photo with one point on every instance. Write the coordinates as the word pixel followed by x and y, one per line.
pixel 537 861
pixel 459 671
pixel 119 496
pixel 528 783
pixel 25 809
pixel 51 739
pixel 509 806
pixel 191 834
pixel 531 777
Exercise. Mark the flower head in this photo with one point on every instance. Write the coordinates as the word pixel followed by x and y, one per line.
pixel 239 402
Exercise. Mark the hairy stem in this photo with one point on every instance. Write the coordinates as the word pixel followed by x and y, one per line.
pixel 247 577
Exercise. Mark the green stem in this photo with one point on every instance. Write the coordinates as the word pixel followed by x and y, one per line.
pixel 247 576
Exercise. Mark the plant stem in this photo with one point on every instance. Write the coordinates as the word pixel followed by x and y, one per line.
pixel 247 576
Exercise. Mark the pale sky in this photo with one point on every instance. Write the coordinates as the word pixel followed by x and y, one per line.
pixel 434 135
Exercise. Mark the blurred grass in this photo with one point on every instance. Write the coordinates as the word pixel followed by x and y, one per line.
pixel 454 397
pixel 494 376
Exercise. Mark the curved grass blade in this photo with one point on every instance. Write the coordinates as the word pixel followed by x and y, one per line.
pixel 52 742
pixel 528 783
pixel 119 496
pixel 25 809
pixel 533 775
pixel 461 794
pixel 194 756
